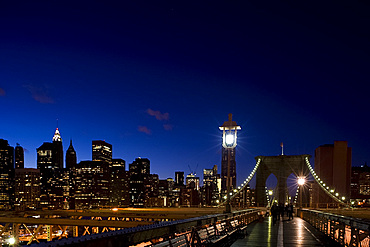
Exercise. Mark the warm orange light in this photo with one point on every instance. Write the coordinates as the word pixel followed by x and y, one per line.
pixel 114 209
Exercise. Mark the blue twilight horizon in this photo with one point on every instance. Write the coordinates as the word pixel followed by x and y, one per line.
pixel 156 80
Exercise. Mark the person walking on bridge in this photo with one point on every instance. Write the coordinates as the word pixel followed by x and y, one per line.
pixel 281 211
pixel 290 211
pixel 274 212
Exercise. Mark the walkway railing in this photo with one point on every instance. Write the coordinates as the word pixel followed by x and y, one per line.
pixel 345 230
pixel 154 232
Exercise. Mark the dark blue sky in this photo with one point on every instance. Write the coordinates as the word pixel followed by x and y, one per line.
pixel 156 79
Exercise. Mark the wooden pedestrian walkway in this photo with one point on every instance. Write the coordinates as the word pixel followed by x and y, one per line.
pixel 287 233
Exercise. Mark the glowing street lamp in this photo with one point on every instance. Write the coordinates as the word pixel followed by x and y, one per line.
pixel 301 182
pixel 229 139
pixel 229 129
pixel 11 241
pixel 270 193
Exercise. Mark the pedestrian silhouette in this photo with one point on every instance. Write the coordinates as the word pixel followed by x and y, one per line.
pixel 274 213
pixel 290 211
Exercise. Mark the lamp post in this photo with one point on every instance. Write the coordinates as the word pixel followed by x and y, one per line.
pixel 229 129
pixel 301 182
pixel 270 193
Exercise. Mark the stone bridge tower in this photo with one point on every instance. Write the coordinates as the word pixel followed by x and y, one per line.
pixel 281 166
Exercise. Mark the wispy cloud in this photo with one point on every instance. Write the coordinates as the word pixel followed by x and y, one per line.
pixel 144 129
pixel 2 92
pixel 168 126
pixel 161 117
pixel 40 94
pixel 158 115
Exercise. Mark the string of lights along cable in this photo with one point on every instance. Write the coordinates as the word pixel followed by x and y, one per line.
pixel 300 180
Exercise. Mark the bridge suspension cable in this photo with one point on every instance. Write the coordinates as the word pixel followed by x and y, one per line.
pixel 329 191
pixel 235 192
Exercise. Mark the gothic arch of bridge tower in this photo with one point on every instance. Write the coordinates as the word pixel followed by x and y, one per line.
pixel 282 166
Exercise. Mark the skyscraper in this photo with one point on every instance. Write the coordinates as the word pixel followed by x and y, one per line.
pixel 58 149
pixel 71 157
pixel 333 164
pixel 50 164
pixel 19 157
pixel 179 178
pixel 27 188
pixel 119 164
pixel 151 184
pixel 211 186
pixel 91 184
pixel 101 151
pixel 139 174
pixel 7 175
pixel 119 184
pixel 192 181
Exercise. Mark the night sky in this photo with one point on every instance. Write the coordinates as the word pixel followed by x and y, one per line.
pixel 157 78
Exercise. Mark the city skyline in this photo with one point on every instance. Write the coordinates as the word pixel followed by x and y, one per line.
pixel 157 80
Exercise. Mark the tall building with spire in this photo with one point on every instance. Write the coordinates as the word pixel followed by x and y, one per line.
pixel 19 157
pixel 57 141
pixel 71 157
pixel 50 164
